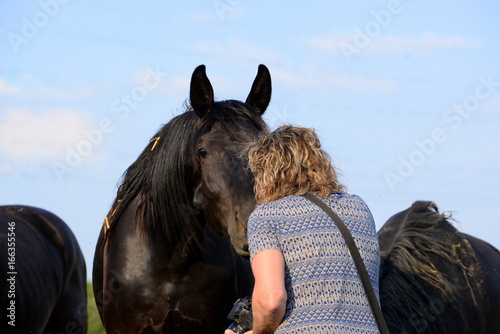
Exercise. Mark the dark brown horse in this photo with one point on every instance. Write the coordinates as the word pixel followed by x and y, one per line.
pixel 435 279
pixel 164 261
pixel 43 276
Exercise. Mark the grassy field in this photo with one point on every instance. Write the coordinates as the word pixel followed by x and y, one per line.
pixel 95 324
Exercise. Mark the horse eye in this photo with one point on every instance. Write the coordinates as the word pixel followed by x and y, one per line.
pixel 202 152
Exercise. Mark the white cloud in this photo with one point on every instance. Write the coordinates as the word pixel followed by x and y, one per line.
pixel 61 95
pixel 383 44
pixel 163 82
pixel 426 42
pixel 195 18
pixel 293 80
pixel 45 92
pixel 26 136
pixel 491 106
pixel 177 87
pixel 361 83
pixel 292 74
pixel 8 89
pixel 237 49
pixel 329 79
pixel 306 76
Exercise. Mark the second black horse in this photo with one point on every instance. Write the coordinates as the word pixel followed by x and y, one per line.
pixel 435 279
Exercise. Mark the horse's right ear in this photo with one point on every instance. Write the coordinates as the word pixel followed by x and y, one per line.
pixel 260 94
pixel 201 92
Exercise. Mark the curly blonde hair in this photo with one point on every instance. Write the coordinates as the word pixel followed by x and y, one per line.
pixel 290 161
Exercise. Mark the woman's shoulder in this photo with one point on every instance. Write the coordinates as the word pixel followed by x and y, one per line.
pixel 350 204
pixel 296 202
pixel 279 206
pixel 346 197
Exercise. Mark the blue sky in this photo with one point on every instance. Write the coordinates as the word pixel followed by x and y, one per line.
pixel 404 95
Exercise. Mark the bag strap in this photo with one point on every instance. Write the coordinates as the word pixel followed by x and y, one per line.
pixel 360 266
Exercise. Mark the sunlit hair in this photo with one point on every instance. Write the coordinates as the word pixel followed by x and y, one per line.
pixel 290 161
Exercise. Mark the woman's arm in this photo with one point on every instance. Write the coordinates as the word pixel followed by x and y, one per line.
pixel 269 293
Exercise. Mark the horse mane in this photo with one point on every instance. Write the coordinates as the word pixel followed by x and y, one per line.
pixel 165 174
pixel 408 266
pixel 162 180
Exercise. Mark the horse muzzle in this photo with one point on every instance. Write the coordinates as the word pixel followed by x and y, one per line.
pixel 238 237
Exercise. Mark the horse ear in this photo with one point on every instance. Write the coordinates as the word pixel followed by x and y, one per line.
pixel 201 92
pixel 260 94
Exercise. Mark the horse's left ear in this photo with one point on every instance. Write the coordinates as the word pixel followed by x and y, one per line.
pixel 201 92
pixel 260 94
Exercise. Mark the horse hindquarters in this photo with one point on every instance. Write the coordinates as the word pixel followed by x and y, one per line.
pixel 435 279
pixel 48 263
pixel 487 292
pixel 70 310
pixel 70 313
pixel 35 282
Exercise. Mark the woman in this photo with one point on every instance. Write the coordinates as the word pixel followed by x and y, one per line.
pixel 305 278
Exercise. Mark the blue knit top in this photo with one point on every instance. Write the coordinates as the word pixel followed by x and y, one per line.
pixel 325 293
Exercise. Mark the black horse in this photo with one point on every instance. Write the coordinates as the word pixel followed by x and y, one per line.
pixel 43 276
pixel 164 261
pixel 435 279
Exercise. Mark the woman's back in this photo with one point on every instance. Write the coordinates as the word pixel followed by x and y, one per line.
pixel 325 293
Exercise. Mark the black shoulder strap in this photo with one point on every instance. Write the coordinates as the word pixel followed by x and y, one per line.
pixel 360 266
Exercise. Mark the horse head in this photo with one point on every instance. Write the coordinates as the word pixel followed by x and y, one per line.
pixel 225 190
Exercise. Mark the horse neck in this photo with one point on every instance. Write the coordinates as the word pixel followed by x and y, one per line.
pixel 155 243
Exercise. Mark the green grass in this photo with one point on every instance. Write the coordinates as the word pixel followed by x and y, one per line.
pixel 95 324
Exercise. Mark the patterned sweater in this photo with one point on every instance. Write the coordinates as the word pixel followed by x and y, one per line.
pixel 325 293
